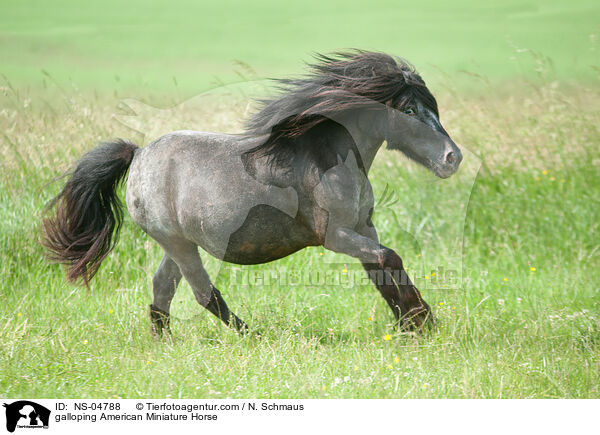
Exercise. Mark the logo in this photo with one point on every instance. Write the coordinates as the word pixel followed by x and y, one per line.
pixel 26 414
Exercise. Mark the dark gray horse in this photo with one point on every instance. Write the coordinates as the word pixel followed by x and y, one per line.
pixel 296 177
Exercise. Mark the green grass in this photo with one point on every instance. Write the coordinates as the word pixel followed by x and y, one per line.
pixel 504 330
pixel 187 46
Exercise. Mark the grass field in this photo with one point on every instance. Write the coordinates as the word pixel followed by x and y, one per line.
pixel 185 46
pixel 518 225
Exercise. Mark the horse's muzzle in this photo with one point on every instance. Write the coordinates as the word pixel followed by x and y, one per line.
pixel 449 163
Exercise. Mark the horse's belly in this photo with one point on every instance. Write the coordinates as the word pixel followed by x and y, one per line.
pixel 267 234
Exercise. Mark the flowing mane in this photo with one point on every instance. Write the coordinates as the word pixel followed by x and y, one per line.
pixel 337 83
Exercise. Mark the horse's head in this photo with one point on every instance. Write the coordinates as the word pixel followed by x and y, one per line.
pixel 415 129
pixel 384 95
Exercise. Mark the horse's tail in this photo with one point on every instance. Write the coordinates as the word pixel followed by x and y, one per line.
pixel 88 210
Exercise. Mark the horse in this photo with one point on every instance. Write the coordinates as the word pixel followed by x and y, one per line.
pixel 297 176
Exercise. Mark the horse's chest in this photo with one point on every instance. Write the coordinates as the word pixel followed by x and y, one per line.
pixel 343 198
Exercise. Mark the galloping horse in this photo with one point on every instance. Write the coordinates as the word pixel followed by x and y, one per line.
pixel 296 177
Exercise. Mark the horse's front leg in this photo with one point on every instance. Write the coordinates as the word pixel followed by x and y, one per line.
pixel 386 271
pixel 395 286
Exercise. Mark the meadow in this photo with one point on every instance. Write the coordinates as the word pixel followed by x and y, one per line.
pixel 180 48
pixel 507 251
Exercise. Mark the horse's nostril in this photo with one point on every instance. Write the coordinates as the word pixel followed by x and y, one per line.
pixel 451 158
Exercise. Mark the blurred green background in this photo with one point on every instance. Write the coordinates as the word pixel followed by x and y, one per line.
pixel 157 47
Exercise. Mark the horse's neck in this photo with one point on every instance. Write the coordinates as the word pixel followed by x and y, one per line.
pixel 368 148
pixel 366 140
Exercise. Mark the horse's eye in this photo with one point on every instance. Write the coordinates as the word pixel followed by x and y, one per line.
pixel 410 111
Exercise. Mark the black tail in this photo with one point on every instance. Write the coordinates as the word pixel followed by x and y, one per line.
pixel 88 210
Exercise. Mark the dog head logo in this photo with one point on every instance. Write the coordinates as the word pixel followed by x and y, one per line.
pixel 26 414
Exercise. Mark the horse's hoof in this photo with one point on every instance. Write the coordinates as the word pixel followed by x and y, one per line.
pixel 417 319
pixel 159 323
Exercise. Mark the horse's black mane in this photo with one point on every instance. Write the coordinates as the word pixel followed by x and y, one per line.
pixel 335 84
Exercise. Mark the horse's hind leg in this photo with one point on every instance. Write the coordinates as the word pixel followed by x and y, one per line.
pixel 185 254
pixel 164 284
